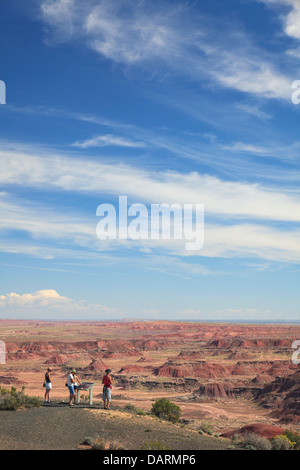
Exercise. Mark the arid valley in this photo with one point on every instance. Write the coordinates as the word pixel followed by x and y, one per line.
pixel 227 375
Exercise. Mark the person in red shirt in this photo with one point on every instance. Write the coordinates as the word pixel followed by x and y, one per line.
pixel 107 381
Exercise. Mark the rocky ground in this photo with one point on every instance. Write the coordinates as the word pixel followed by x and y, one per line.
pixel 58 426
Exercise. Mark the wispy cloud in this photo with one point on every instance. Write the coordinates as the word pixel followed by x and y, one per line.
pixel 87 176
pixel 241 220
pixel 176 39
pixel 254 111
pixel 291 18
pixel 103 140
pixel 199 148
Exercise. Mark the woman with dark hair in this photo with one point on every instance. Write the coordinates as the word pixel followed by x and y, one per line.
pixel 48 384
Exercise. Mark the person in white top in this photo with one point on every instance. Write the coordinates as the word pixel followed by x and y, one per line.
pixel 70 383
pixel 76 384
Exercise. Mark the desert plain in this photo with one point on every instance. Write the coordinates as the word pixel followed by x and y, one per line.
pixel 224 374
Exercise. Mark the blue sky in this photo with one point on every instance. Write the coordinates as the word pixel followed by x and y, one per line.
pixel 164 102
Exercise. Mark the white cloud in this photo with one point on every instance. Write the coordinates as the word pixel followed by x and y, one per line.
pixel 66 15
pixel 229 208
pixel 222 198
pixel 41 298
pixel 291 20
pixel 49 303
pixel 168 37
pixel 258 241
pixel 103 140
pixel 242 147
pixel 252 75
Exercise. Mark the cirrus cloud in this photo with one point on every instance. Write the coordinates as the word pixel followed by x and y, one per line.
pixel 168 36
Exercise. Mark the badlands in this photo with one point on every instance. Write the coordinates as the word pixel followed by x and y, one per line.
pixel 225 374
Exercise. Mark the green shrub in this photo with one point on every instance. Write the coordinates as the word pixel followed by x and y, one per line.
pixel 235 438
pixel 255 442
pixel 167 410
pixel 207 428
pixel 154 445
pixel 13 400
pixel 103 444
pixel 281 443
pixel 88 441
pixel 294 437
pixel 250 447
pixel 130 407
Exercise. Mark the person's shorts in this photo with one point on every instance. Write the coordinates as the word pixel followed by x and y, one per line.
pixel 71 389
pixel 106 395
pixel 48 385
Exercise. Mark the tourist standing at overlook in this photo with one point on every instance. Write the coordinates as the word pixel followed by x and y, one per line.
pixel 48 384
pixel 107 381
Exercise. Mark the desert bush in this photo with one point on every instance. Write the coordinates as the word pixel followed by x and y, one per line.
pixel 167 410
pixel 102 444
pixel 235 438
pixel 281 443
pixel 88 441
pixel 154 445
pixel 13 400
pixel 206 428
pixel 294 437
pixel 254 441
pixel 130 407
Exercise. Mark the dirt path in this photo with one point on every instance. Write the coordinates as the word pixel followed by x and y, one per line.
pixel 57 426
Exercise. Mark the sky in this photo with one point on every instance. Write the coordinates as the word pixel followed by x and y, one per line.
pixel 164 102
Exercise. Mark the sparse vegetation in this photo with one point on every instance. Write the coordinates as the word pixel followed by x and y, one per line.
pixel 138 411
pixel 88 441
pixel 130 407
pixel 167 410
pixel 206 428
pixel 281 443
pixel 294 437
pixel 131 418
pixel 14 400
pixel 253 441
pixel 100 443
pixel 154 445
